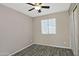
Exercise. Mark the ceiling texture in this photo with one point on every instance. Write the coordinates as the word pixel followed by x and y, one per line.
pixel 24 7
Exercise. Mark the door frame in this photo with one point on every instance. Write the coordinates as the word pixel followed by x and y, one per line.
pixel 75 22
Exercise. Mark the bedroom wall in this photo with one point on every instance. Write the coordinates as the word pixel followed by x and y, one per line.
pixel 61 38
pixel 78 28
pixel 15 30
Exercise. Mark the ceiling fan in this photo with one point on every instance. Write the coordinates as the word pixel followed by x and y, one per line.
pixel 37 6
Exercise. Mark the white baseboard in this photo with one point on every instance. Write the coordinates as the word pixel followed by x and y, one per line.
pixel 54 46
pixel 19 50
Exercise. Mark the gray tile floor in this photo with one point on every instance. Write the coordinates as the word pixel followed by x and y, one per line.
pixel 41 50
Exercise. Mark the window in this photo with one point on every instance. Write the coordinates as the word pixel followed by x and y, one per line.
pixel 48 26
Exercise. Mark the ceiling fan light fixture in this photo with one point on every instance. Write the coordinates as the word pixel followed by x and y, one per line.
pixel 37 7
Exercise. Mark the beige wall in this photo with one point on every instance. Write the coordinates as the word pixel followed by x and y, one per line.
pixel 61 38
pixel 15 30
pixel 78 26
pixel 78 29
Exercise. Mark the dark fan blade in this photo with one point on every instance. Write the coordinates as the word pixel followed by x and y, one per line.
pixel 31 4
pixel 40 3
pixel 31 9
pixel 39 11
pixel 45 7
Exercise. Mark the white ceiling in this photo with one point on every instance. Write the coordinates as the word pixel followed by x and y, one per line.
pixel 23 8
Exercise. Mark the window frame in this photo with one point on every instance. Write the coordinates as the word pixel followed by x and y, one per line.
pixel 48 32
